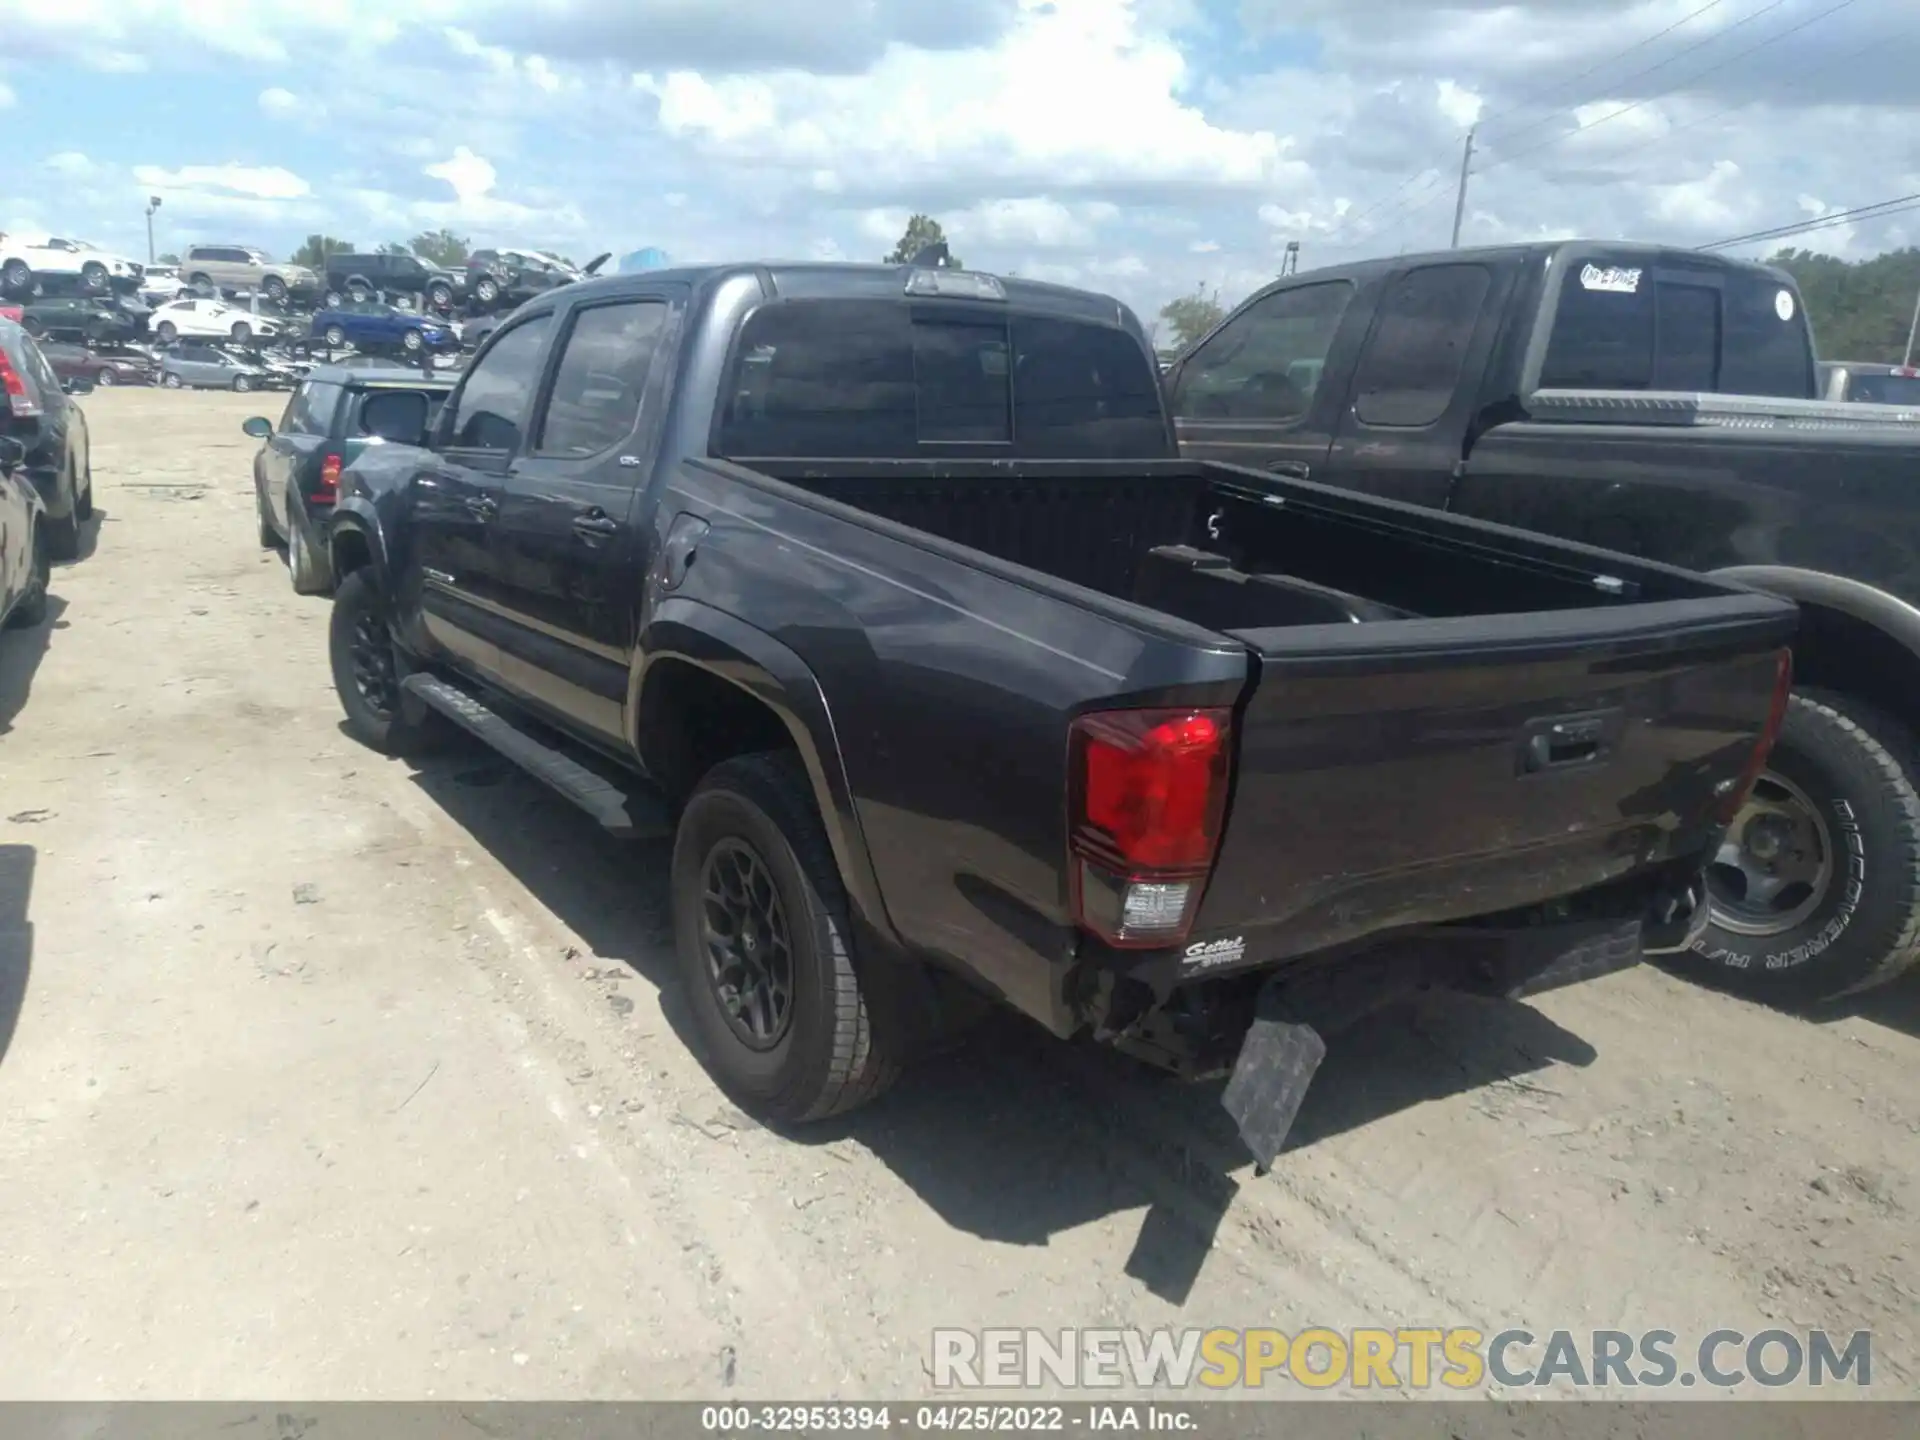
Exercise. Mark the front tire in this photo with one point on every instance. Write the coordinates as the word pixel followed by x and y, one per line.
pixel 1816 893
pixel 764 941
pixel 104 379
pixel 367 671
pixel 486 290
pixel 94 279
pixel 242 384
pixel 269 537
pixel 171 380
pixel 275 289
pixel 411 342
pixel 167 331
pixel 63 535
pixel 335 337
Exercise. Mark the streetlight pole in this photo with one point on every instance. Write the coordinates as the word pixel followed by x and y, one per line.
pixel 1460 201
pixel 1911 329
pixel 153 204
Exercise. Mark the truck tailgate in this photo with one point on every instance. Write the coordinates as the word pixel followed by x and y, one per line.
pixel 1409 772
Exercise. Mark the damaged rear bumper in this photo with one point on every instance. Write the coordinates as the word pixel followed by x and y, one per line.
pixel 1278 1026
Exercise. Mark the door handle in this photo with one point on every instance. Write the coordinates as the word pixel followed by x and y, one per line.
pixel 1292 469
pixel 483 506
pixel 595 525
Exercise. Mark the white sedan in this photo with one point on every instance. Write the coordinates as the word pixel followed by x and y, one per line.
pixel 160 284
pixel 24 258
pixel 210 320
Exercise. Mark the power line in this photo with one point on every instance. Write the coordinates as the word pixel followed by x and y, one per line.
pixel 1759 45
pixel 1876 211
pixel 1527 99
pixel 1648 100
pixel 1428 172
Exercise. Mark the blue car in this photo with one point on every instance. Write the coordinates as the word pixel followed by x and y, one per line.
pixel 374 325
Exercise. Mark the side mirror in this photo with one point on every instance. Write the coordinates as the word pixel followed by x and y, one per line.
pixel 12 454
pixel 258 426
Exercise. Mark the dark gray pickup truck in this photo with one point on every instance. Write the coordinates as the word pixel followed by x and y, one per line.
pixel 883 591
pixel 1662 403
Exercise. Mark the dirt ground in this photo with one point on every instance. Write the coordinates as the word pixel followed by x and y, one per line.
pixel 326 1076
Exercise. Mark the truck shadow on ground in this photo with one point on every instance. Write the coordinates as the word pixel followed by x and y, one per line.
pixel 1014 1136
pixel 21 651
pixel 1896 1006
pixel 16 937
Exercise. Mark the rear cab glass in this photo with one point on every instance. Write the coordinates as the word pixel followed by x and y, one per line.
pixel 1866 387
pixel 1631 321
pixel 884 378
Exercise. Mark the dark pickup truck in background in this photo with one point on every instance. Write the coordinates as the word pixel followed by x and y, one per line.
pixel 1661 403
pixel 883 590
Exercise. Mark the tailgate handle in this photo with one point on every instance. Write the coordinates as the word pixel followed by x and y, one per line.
pixel 1570 740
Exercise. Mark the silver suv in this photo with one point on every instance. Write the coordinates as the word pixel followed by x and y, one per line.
pixel 233 268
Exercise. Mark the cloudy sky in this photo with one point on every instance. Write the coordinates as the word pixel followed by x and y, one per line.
pixel 1137 146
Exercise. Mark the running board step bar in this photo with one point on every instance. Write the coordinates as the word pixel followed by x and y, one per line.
pixel 631 814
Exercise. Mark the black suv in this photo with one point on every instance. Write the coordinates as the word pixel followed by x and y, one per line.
pixel 504 278
pixel 359 277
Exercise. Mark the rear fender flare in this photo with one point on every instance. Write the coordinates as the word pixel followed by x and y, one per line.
pixel 355 515
pixel 1890 615
pixel 734 651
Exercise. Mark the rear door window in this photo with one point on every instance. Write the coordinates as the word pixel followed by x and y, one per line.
pixel 1414 357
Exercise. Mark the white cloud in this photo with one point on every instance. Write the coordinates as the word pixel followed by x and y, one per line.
pixel 253 182
pixel 70 163
pixel 7 98
pixel 278 102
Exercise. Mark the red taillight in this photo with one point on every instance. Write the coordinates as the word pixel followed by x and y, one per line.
pixel 329 490
pixel 1147 790
pixel 20 400
pixel 1730 804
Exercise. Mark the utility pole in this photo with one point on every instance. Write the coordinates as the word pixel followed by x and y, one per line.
pixel 1460 201
pixel 1911 329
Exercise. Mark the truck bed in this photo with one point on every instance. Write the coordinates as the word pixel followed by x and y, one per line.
pixel 1444 718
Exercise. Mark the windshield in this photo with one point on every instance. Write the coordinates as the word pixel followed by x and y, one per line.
pixel 1871 389
pixel 1623 323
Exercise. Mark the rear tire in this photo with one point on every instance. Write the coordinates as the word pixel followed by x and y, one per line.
pixel 1842 765
pixel 171 380
pixel 63 535
pixel 275 289
pixel 335 337
pixel 367 670
pixel 305 567
pixel 31 608
pixel 750 830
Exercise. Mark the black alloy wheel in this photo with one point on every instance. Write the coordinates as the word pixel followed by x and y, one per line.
pixel 749 952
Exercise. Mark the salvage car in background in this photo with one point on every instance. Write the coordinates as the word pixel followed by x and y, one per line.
pixel 27 260
pixel 199 366
pixel 25 565
pixel 336 412
pixel 213 270
pixel 87 319
pixel 203 319
pixel 504 278
pixel 363 277
pixel 37 410
pixel 105 368
pixel 374 324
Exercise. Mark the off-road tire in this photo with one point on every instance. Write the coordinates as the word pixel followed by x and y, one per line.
pixel 1853 760
pixel 400 731
pixel 832 1058
pixel 31 608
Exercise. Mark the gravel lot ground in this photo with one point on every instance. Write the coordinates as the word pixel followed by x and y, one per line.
pixel 329 1077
